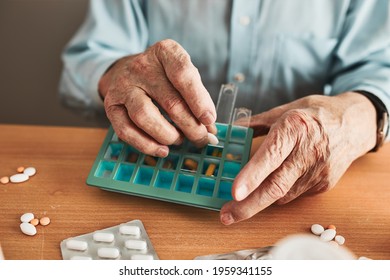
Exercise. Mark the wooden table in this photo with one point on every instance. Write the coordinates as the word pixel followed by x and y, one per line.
pixel 63 156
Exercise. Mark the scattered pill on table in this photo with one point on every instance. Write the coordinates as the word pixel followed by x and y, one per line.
pixel 142 257
pixel 213 140
pixel 328 235
pixel 28 228
pixel 30 171
pixel 19 178
pixel 331 227
pixel 44 221
pixel 34 222
pixel 20 169
pixel 339 239
pixel 26 217
pixel 317 229
pixel 4 180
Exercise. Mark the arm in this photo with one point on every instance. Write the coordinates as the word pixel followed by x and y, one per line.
pixel 111 31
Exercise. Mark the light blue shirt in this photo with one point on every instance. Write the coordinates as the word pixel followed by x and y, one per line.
pixel 275 50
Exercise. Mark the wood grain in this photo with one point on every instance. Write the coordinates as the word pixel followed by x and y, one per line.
pixel 63 156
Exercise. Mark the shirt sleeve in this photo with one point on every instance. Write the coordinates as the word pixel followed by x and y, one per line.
pixel 362 58
pixel 111 30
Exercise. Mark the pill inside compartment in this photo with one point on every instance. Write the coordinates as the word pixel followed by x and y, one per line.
pixel 131 154
pixel 215 151
pixel 190 164
pixel 234 151
pixel 170 162
pixel 210 167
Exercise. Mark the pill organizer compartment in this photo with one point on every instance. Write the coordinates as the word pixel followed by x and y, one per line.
pixel 127 241
pixel 200 177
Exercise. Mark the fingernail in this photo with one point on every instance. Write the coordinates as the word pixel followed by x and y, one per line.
pixel 227 218
pixel 213 140
pixel 241 192
pixel 162 152
pixel 207 118
pixel 212 128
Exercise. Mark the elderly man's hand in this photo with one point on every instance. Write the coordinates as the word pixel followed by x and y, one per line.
pixel 162 75
pixel 310 144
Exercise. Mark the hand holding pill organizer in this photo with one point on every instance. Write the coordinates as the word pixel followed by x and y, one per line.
pixel 200 177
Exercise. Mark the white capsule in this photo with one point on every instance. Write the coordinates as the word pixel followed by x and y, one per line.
pixel 86 258
pixel 136 244
pixel 108 253
pixel 142 257
pixel 339 239
pixel 130 230
pixel 213 140
pixel 77 245
pixel 28 228
pixel 317 229
pixel 328 235
pixel 19 178
pixel 30 171
pixel 103 237
pixel 26 217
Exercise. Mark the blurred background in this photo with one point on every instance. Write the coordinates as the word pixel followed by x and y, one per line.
pixel 33 34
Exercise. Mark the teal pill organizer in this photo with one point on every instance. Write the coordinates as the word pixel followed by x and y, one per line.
pixel 201 177
pixel 181 176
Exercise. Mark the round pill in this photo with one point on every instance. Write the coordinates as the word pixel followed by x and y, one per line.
pixel 108 253
pixel 331 227
pixel 328 235
pixel 317 229
pixel 213 140
pixel 44 221
pixel 30 171
pixel 28 228
pixel 19 178
pixel 4 180
pixel 34 222
pixel 142 257
pixel 103 237
pixel 136 244
pixel 20 169
pixel 130 230
pixel 339 239
pixel 77 245
pixel 26 217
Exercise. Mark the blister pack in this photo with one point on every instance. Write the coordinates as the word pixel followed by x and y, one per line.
pixel 127 241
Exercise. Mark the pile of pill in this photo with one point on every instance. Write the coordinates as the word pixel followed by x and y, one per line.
pixel 29 223
pixel 127 241
pixel 23 175
pixel 328 235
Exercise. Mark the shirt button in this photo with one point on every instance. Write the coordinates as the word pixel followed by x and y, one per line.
pixel 245 20
pixel 239 77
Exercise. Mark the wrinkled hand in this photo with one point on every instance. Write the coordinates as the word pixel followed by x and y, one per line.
pixel 310 144
pixel 162 75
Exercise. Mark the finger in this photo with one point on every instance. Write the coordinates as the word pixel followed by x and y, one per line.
pixel 186 79
pixel 272 189
pixel 130 133
pixel 147 117
pixel 178 111
pixel 275 148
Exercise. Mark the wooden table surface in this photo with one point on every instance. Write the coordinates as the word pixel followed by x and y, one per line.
pixel 359 205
